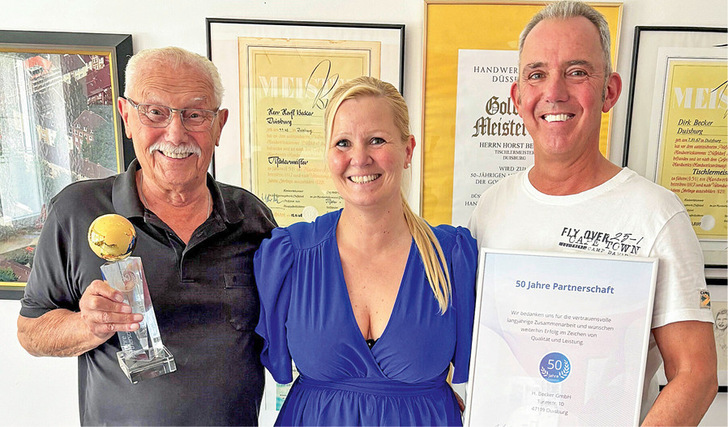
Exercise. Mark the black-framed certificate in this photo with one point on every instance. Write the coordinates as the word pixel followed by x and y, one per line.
pixel 559 339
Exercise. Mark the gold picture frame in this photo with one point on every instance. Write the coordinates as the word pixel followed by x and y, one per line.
pixel 449 27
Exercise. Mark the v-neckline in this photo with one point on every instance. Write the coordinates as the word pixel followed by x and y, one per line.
pixel 347 299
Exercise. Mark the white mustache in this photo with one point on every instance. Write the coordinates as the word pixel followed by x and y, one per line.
pixel 175 150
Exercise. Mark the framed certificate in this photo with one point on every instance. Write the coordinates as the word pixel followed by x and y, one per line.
pixel 473 138
pixel 279 76
pixel 676 125
pixel 558 335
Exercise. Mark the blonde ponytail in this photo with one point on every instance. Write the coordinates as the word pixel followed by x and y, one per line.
pixel 432 256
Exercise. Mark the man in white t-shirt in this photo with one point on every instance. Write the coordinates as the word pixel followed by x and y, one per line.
pixel 574 199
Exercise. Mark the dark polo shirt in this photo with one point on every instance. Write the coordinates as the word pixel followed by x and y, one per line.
pixel 203 293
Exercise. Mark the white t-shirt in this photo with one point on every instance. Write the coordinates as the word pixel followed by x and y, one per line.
pixel 627 215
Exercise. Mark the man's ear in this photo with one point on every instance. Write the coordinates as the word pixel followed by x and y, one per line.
pixel 515 97
pixel 222 115
pixel 124 110
pixel 612 91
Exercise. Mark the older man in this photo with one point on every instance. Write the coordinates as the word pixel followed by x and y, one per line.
pixel 565 83
pixel 196 237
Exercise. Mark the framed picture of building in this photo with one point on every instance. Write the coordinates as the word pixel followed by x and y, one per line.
pixel 59 124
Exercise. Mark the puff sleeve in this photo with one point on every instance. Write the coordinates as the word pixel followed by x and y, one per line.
pixel 272 267
pixel 464 263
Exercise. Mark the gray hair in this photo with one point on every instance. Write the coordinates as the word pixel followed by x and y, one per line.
pixel 566 9
pixel 175 58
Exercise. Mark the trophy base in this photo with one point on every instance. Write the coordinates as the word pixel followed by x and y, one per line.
pixel 139 366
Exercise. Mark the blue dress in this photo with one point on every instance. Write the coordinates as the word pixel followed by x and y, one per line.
pixel 306 315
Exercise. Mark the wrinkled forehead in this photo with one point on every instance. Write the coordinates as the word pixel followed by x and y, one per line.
pixel 157 81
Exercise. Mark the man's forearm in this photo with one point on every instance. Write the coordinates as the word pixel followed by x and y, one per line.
pixel 688 352
pixel 683 401
pixel 59 333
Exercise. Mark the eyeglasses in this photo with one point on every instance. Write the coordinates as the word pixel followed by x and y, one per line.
pixel 159 116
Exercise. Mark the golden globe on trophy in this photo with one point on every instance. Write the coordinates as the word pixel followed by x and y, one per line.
pixel 112 237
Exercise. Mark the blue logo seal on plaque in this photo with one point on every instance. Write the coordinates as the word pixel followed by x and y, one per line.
pixel 555 367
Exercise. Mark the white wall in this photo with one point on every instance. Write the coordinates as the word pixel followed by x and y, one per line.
pixel 33 392
pixel 27 392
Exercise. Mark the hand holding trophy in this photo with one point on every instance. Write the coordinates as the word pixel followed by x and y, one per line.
pixel 112 237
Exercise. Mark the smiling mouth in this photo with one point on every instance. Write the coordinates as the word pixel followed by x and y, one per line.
pixel 363 179
pixel 176 155
pixel 175 152
pixel 557 117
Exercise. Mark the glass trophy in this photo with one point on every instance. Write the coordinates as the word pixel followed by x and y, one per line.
pixel 112 237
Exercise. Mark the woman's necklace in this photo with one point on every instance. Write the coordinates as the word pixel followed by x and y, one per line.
pixel 146 204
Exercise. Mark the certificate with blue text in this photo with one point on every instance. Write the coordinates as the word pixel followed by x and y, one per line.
pixel 559 339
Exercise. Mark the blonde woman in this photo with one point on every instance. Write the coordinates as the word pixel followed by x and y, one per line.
pixel 370 302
